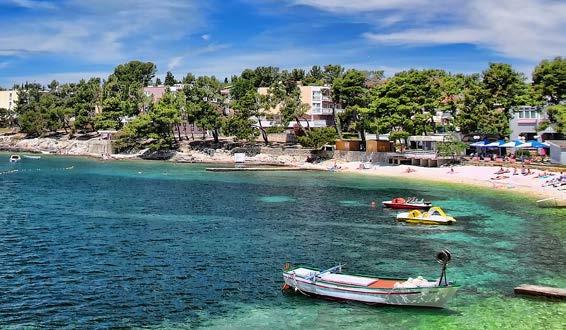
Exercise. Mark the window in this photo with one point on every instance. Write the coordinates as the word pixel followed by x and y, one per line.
pixel 521 114
pixel 316 108
pixel 316 96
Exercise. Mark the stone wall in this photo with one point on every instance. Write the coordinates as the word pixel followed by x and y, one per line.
pixel 92 147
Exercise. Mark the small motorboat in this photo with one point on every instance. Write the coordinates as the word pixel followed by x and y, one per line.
pixel 32 157
pixel 434 216
pixel 332 284
pixel 15 158
pixel 411 203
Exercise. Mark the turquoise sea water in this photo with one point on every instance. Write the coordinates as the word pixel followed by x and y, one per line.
pixel 86 244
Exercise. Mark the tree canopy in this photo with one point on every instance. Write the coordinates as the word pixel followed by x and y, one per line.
pixel 362 101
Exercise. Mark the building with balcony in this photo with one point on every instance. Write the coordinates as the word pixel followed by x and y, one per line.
pixel 8 99
pixel 526 123
pixel 157 92
pixel 320 111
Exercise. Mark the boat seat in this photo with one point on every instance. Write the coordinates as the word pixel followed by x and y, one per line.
pixel 383 284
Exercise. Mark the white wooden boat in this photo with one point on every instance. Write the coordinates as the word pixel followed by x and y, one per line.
pixel 372 290
pixel 32 157
pixel 15 158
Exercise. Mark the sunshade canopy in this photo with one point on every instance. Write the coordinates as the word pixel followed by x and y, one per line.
pixel 511 144
pixel 533 144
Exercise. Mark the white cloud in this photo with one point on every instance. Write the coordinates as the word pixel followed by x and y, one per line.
pixel 174 63
pixel 522 29
pixel 62 77
pixel 205 37
pixel 177 61
pixel 98 30
pixel 360 5
pixel 30 4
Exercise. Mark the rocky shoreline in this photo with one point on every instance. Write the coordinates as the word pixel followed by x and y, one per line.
pixel 98 148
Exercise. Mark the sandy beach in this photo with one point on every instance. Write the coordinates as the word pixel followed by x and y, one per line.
pixel 482 176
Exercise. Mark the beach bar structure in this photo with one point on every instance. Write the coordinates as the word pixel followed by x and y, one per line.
pixel 557 151
pixel 383 152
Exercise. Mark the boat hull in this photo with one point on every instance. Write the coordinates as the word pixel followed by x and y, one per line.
pixel 422 297
pixel 406 206
pixel 424 221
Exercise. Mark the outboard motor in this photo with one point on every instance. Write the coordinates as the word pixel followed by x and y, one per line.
pixel 443 257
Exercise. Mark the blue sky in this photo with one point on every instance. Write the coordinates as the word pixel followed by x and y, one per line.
pixel 67 40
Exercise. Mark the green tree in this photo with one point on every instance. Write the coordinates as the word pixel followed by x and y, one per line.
pixel 265 76
pixel 318 137
pixel 350 91
pixel 84 101
pixel 6 118
pixel 287 98
pixel 30 118
pixel 505 87
pixel 549 80
pixel 250 105
pixel 298 74
pixel 332 72
pixel 486 101
pixel 404 104
pixel 549 83
pixel 209 113
pixel 170 79
pixel 122 94
pixel 315 77
pixel 451 147
pixel 153 129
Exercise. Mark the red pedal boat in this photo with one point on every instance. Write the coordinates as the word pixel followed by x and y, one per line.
pixel 411 203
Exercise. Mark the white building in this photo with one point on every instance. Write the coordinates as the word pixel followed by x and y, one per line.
pixel 8 99
pixel 320 107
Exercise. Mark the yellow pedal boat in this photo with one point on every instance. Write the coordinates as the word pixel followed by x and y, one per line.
pixel 434 216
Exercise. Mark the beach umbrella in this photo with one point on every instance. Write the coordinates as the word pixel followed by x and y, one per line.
pixel 478 144
pixel 511 144
pixel 495 144
pixel 534 144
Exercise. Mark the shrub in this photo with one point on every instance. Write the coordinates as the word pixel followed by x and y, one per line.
pixel 318 137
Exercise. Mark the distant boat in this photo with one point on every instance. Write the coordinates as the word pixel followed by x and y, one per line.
pixel 15 158
pixel 552 202
pixel 32 157
pixel 372 290
pixel 411 203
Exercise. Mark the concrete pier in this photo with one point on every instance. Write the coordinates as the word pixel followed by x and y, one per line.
pixel 536 290
pixel 258 169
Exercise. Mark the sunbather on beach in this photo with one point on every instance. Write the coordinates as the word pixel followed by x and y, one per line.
pixel 500 171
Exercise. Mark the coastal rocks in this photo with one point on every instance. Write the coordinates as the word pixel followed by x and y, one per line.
pixel 62 146
pixel 195 152
pixel 158 154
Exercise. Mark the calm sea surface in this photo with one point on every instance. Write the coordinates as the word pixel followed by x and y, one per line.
pixel 91 244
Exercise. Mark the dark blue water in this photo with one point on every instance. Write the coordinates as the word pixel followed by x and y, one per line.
pixel 88 244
